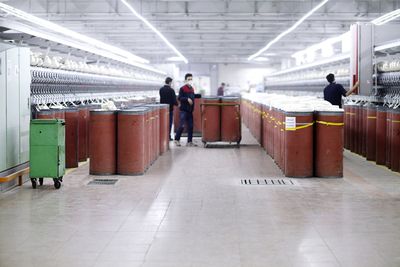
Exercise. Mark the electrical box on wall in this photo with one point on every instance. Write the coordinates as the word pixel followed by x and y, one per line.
pixel 14 107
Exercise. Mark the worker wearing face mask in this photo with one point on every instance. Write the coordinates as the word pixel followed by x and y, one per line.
pixel 333 92
pixel 186 98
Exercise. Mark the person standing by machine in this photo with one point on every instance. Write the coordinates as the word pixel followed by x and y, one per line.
pixel 186 98
pixel 220 91
pixel 168 96
pixel 334 91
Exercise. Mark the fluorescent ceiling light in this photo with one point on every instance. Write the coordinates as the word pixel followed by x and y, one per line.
pixel 261 59
pixel 388 46
pixel 387 17
pixel 327 50
pixel 69 33
pixel 280 36
pixel 321 45
pixel 175 59
pixel 314 64
pixel 270 54
pixel 145 21
pixel 57 38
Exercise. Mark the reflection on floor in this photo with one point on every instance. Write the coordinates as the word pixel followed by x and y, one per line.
pixel 190 209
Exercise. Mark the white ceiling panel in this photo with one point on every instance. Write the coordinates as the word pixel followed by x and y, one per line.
pixel 218 30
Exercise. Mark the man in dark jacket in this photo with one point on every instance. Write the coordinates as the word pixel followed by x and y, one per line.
pixel 220 91
pixel 168 96
pixel 186 98
pixel 334 91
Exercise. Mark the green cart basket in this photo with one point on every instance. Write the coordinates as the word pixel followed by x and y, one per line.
pixel 47 151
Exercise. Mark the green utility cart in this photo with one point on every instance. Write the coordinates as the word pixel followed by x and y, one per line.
pixel 47 151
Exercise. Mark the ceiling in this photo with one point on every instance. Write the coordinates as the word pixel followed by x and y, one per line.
pixel 205 31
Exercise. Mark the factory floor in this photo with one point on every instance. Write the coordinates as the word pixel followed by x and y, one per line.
pixel 190 209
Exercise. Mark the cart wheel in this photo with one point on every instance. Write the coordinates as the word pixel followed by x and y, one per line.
pixel 40 181
pixel 60 179
pixel 57 183
pixel 34 183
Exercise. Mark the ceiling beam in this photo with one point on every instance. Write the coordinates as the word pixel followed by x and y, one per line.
pixel 270 30
pixel 209 17
pixel 238 42
pixel 210 52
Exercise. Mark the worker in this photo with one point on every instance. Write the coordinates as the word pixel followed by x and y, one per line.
pixel 186 99
pixel 220 91
pixel 168 96
pixel 333 92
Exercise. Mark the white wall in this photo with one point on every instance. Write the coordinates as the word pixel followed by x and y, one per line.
pixel 245 76
pixel 201 76
pixel 172 70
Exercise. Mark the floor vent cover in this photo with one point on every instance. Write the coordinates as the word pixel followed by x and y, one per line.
pixel 214 145
pixel 103 181
pixel 268 181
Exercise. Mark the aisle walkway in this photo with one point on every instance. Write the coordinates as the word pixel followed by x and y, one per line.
pixel 191 209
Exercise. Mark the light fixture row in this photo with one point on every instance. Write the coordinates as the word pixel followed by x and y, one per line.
pixel 116 53
pixel 154 29
pixel 283 34
pixel 386 18
pixel 69 33
pixel 74 39
pixel 378 21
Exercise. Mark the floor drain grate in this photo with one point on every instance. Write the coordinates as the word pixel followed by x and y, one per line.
pixel 233 145
pixel 267 181
pixel 103 181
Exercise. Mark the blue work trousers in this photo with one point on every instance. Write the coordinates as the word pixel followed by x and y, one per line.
pixel 185 118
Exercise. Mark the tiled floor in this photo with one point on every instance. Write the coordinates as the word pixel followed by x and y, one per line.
pixel 191 210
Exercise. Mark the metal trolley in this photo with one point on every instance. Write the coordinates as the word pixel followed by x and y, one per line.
pixel 221 120
pixel 47 151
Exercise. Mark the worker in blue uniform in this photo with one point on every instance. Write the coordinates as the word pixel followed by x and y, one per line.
pixel 334 91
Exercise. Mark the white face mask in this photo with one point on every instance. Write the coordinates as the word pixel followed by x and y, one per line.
pixel 190 83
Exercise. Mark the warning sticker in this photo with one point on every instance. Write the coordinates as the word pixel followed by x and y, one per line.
pixel 290 123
